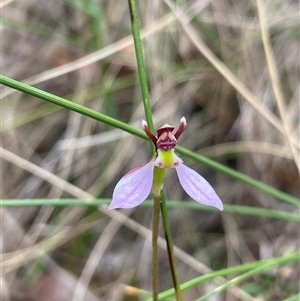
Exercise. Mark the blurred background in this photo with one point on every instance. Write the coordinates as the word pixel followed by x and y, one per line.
pixel 82 51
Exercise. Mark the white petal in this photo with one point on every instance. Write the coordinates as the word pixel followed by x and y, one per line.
pixel 197 187
pixel 133 188
pixel 183 121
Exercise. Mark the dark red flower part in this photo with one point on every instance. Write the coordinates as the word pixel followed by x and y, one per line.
pixel 165 128
pixel 181 127
pixel 165 138
pixel 148 133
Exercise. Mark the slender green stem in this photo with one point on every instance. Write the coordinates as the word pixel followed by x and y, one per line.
pixel 158 179
pixel 141 65
pixel 158 173
pixel 234 209
pixel 70 105
pixel 167 229
pixel 155 230
pixel 247 275
pixel 231 270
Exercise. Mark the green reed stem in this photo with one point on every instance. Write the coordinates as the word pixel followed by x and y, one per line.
pixel 158 180
pixel 262 267
pixel 243 268
pixel 228 209
pixel 141 65
pixel 9 82
pixel 158 173
pixel 169 241
pixel 155 259
pixel 158 176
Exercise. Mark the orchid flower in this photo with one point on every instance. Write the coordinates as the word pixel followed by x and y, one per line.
pixel 136 185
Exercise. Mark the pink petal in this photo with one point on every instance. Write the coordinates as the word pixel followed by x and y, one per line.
pixel 133 188
pixel 197 187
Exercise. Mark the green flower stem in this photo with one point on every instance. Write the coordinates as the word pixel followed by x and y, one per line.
pixel 141 65
pixel 155 259
pixel 171 255
pixel 126 127
pixel 158 180
pixel 234 209
pixel 70 105
pixel 231 270
pixel 247 275
pixel 158 173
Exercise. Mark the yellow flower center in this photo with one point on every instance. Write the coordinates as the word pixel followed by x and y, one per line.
pixel 167 158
